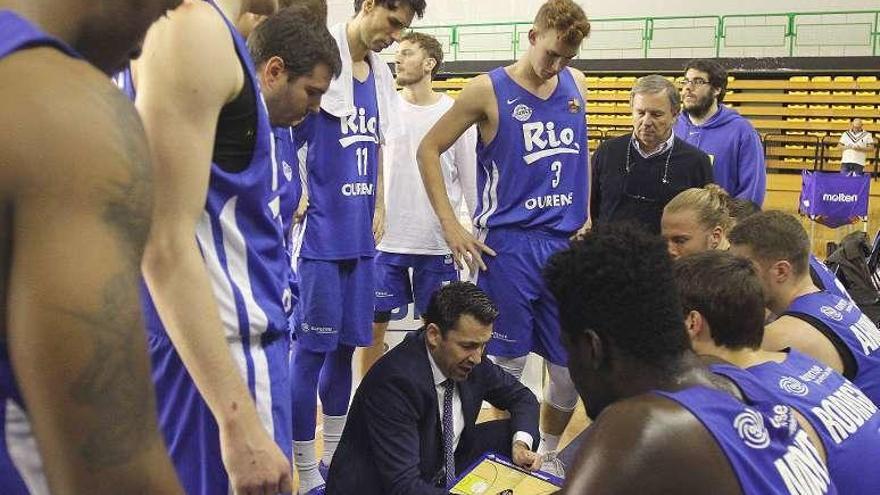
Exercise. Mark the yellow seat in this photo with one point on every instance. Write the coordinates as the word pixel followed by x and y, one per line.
pixel 799 79
pixel 820 93
pixel 799 92
pixel 866 79
pixel 842 93
pixel 822 79
pixel 844 79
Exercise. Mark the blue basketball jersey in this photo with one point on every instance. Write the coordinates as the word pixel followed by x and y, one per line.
pixel 826 279
pixel 842 322
pixel 240 235
pixel 843 417
pixel 125 83
pixel 341 166
pixel 291 186
pixel 534 172
pixel 768 451
pixel 20 465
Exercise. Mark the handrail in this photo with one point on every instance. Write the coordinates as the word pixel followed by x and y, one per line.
pixel 651 26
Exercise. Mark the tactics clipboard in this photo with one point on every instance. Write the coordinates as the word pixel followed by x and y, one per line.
pixel 493 474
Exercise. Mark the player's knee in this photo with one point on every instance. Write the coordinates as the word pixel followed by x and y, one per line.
pixel 560 392
pixel 512 365
pixel 381 316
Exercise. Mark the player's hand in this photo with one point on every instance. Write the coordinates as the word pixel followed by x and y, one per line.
pixel 525 458
pixel 379 224
pixel 255 464
pixel 466 249
pixel 300 212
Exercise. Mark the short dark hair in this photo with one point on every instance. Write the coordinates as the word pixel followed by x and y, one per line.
pixel 726 291
pixel 296 36
pixel 431 46
pixel 452 301
pixel 717 74
pixel 618 282
pixel 317 7
pixel 773 236
pixel 741 208
pixel 418 6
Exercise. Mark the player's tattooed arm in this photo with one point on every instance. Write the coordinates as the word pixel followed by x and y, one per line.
pixel 81 196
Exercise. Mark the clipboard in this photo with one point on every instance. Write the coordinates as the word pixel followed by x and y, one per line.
pixel 494 474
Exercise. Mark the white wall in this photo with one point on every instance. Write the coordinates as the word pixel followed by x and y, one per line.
pixel 472 11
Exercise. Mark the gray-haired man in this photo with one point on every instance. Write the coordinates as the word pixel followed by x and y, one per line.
pixel 635 175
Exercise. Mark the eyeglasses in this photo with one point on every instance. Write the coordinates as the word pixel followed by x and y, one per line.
pixel 696 82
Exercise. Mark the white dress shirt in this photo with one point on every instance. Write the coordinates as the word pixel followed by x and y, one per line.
pixel 664 146
pixel 457 412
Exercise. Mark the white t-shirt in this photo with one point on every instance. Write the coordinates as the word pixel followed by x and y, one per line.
pixel 860 139
pixel 411 227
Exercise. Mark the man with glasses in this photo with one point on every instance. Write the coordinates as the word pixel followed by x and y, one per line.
pixel 733 145
pixel 635 175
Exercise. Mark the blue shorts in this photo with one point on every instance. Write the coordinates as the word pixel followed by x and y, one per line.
pixel 21 468
pixel 528 319
pixel 189 428
pixel 336 304
pixel 394 289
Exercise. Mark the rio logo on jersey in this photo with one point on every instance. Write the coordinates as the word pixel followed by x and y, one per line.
pixel 542 140
pixel 357 128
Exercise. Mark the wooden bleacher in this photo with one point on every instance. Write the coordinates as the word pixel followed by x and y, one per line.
pixel 799 119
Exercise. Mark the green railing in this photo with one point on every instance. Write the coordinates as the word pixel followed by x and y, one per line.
pixel 813 34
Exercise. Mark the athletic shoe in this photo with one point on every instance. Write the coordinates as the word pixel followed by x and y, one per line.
pixel 551 464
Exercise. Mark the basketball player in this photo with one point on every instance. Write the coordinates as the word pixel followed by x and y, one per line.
pixel 662 422
pixel 215 269
pixel 77 410
pixel 724 314
pixel 697 220
pixel 345 218
pixel 818 323
pixel 413 238
pixel 532 193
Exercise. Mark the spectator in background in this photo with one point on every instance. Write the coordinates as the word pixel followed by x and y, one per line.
pixel 733 145
pixel 636 175
pixel 855 144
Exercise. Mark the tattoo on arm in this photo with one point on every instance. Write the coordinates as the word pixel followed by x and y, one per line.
pixel 115 381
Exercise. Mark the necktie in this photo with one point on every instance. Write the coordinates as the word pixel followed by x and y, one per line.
pixel 448 431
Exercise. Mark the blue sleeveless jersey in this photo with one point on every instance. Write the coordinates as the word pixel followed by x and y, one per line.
pixel 533 174
pixel 844 418
pixel 827 280
pixel 286 155
pixel 125 83
pixel 20 465
pixel 341 166
pixel 844 324
pixel 768 451
pixel 240 235
pixel 291 186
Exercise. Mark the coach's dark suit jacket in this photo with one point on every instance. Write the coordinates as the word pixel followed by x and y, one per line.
pixel 392 443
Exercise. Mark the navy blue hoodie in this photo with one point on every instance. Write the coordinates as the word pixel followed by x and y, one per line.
pixel 735 149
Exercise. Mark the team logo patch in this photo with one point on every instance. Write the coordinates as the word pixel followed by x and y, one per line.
pixel 574 105
pixel 288 170
pixel 749 426
pixel 831 313
pixel 793 386
pixel 522 113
